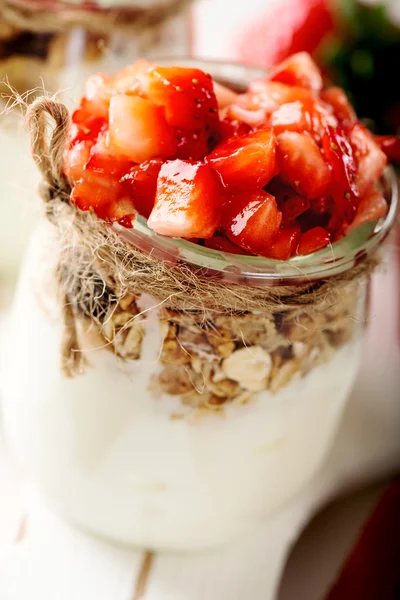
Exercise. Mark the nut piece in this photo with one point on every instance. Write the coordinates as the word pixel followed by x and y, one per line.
pixel 127 301
pixel 284 375
pixel 132 345
pixel 250 367
pixel 174 354
pixel 175 380
pixel 224 350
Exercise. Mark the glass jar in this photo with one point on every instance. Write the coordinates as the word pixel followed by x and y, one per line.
pixel 185 428
pixel 54 45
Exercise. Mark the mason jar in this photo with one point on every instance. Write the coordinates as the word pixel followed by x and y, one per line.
pixel 53 46
pixel 154 421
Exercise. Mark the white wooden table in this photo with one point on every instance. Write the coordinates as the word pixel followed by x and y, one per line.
pixel 42 558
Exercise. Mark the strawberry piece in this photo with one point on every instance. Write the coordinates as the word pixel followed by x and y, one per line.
pixel 98 92
pixel 127 80
pixel 390 145
pixel 299 69
pixel 313 240
pixel 254 117
pixel 188 201
pixel 225 96
pixel 221 243
pixel 98 192
pixel 86 126
pixel 285 28
pixel 371 160
pixel 290 117
pixel 284 243
pixel 342 108
pixel 292 208
pixel 322 206
pixel 75 159
pixel 192 145
pixel 270 94
pixel 344 189
pixel 302 165
pixel 122 211
pixel 371 208
pixel 138 130
pixel 232 129
pixel 186 94
pixel 318 215
pixel 104 161
pixel 303 115
pixel 251 219
pixel 247 161
pixel 141 183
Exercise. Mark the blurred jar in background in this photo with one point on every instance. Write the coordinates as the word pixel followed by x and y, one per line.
pixel 54 45
pixel 354 41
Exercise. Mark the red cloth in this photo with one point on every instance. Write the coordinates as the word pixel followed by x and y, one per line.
pixel 372 570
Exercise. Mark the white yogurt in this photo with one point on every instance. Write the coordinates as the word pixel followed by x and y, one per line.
pixel 109 456
pixel 19 202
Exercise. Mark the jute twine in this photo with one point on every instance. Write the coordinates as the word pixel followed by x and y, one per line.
pixel 33 17
pixel 97 267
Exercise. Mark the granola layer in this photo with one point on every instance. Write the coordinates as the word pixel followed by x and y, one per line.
pixel 211 360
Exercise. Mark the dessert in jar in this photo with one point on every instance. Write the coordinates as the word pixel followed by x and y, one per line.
pixel 36 54
pixel 190 315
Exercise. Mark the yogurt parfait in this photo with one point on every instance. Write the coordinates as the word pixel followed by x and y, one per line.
pixel 190 316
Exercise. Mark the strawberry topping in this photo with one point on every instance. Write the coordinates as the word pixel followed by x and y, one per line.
pixel 280 170
pixel 245 161
pixel 188 201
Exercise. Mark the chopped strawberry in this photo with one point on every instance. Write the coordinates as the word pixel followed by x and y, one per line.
pixel 188 201
pixel 192 145
pixel 280 190
pixel 322 205
pixel 97 192
pixel 186 94
pixel 230 129
pixel 313 240
pixel 138 129
pixel 271 94
pixel 127 81
pixel 290 117
pixel 371 208
pixel 299 69
pixel 318 215
pixel 284 243
pixel 141 182
pixel 371 160
pixel 252 115
pixel 219 242
pixel 390 145
pixel 292 208
pixel 225 96
pixel 123 212
pixel 75 159
pixel 104 161
pixel 301 116
pixel 86 126
pixel 251 219
pixel 302 165
pixel 247 161
pixel 344 189
pixel 98 92
pixel 342 108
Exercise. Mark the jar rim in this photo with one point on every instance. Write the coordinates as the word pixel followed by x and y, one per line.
pixel 335 259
